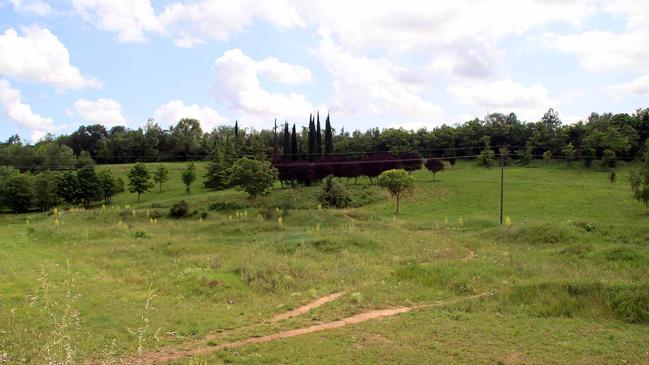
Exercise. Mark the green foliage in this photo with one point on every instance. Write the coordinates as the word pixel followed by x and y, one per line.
pixel 252 176
pixel 569 153
pixel 139 179
pixel 85 160
pixel 334 194
pixel 67 187
pixel 526 155
pixel 486 157
pixel 589 155
pixel 45 194
pixel 397 182
pixel 90 186
pixel 16 192
pixel 547 156
pixel 110 185
pixel 179 209
pixel 217 171
pixel 160 176
pixel 640 182
pixel 609 159
pixel 188 176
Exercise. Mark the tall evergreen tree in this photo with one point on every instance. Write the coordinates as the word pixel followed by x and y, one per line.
pixel 287 141
pixel 275 146
pixel 329 146
pixel 318 143
pixel 236 130
pixel 312 138
pixel 293 144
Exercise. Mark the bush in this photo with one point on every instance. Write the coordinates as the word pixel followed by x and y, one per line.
pixel 220 206
pixel 179 209
pixel 609 159
pixel 334 195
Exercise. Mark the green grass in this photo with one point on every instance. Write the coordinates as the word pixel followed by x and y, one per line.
pixel 570 273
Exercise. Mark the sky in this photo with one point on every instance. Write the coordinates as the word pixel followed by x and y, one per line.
pixel 369 63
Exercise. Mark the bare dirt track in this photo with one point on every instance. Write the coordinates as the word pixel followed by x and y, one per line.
pixel 202 347
pixel 304 309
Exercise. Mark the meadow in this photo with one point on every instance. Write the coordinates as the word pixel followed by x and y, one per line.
pixel 565 282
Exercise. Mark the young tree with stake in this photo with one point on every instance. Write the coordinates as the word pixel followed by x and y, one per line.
pixel 160 176
pixel 397 182
pixel 139 179
pixel 188 176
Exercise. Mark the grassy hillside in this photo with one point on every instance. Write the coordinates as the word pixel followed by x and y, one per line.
pixel 569 275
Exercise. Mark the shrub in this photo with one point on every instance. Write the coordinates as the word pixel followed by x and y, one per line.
pixel 397 182
pixel 253 176
pixel 434 165
pixel 486 157
pixel 334 195
pixel 179 209
pixel 219 206
pixel 609 159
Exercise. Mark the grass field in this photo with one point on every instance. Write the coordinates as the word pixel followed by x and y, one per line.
pixel 569 277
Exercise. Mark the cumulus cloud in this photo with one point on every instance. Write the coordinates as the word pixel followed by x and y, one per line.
pixel 196 22
pixel 363 84
pixel 503 96
pixel 175 110
pixel 639 86
pixel 37 7
pixel 272 69
pixel 39 56
pixel 107 112
pixel 22 114
pixel 237 83
pixel 130 19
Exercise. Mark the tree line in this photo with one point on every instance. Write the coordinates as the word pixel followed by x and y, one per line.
pixel 623 134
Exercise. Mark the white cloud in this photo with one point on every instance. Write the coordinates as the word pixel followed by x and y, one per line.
pixel 599 50
pixel 21 113
pixel 602 50
pixel 237 82
pixel 639 86
pixel 376 86
pixel 175 110
pixel 37 7
pixel 272 69
pixel 196 22
pixel 102 111
pixel 503 96
pixel 130 19
pixel 39 56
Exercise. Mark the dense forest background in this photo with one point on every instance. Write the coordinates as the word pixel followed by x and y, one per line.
pixel 624 134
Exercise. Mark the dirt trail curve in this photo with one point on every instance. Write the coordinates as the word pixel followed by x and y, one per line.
pixel 305 308
pixel 197 348
pixel 470 256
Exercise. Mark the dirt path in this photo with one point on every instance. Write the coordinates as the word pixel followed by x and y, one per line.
pixel 470 256
pixel 305 308
pixel 202 348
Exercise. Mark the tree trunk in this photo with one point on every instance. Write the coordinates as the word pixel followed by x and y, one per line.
pixel 138 196
pixel 397 204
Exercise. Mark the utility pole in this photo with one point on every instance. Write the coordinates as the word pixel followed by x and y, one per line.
pixel 502 182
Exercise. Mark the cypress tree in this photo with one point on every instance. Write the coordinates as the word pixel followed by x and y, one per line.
pixel 293 144
pixel 329 147
pixel 275 146
pixel 287 141
pixel 318 143
pixel 312 138
pixel 236 130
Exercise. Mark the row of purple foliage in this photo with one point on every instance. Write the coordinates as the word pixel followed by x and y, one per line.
pixel 306 172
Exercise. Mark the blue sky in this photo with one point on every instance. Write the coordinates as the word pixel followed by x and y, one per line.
pixel 381 63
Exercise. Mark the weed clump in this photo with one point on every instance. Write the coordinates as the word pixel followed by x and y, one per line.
pixel 179 209
pixel 334 194
pixel 539 234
